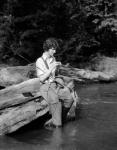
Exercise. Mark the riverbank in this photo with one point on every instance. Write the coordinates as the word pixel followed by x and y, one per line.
pixel 99 69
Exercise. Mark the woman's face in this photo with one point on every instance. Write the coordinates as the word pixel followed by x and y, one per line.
pixel 52 51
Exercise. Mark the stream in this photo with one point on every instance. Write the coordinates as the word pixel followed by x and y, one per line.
pixel 95 127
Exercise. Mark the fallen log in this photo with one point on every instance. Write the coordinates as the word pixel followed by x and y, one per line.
pixel 18 109
pixel 17 74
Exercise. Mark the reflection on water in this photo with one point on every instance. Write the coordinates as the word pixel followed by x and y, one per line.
pixel 95 128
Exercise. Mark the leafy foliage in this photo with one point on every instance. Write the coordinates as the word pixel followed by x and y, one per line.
pixel 83 28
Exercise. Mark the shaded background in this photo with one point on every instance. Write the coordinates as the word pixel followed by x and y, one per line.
pixel 85 29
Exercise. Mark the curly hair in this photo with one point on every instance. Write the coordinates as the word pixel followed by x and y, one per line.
pixel 50 43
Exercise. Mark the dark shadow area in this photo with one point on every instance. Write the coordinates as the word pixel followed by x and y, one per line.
pixel 34 125
pixel 2 87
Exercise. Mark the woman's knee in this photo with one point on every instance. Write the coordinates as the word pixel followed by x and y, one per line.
pixel 71 85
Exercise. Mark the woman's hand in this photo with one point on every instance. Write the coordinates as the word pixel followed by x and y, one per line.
pixel 55 65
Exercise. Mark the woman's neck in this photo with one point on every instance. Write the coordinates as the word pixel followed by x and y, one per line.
pixel 45 55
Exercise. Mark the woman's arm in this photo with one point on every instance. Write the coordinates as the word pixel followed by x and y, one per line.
pixel 46 73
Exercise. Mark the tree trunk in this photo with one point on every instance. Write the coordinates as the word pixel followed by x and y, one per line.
pixel 18 107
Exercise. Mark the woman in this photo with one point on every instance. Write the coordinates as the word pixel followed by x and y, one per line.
pixel 53 88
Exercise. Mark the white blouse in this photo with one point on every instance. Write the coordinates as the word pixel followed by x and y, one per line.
pixel 41 68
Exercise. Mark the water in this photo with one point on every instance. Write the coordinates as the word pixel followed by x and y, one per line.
pixel 94 129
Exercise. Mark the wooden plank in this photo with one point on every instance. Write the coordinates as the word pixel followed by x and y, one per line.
pixel 11 119
pixel 16 99
pixel 13 94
